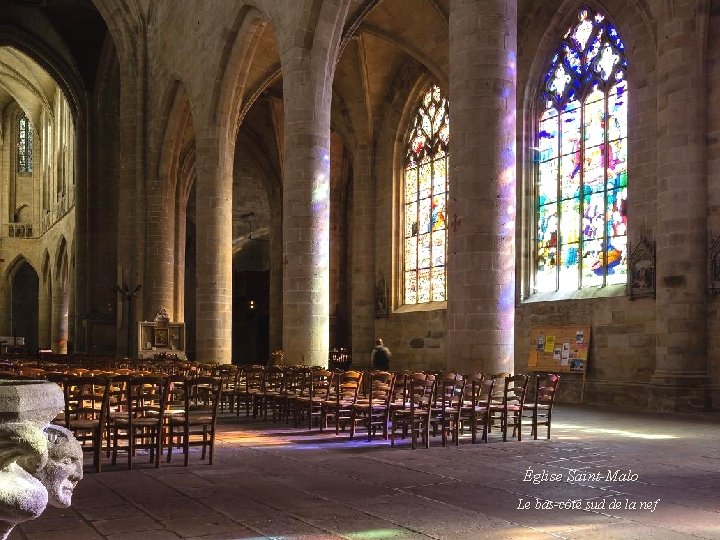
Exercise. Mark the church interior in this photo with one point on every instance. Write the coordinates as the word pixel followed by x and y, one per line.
pixel 259 182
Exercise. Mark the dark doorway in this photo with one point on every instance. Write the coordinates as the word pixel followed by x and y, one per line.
pixel 251 303
pixel 24 311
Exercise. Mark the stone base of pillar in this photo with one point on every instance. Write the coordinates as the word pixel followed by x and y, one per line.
pixel 680 391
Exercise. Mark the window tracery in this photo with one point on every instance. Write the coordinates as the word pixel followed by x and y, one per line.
pixel 425 191
pixel 581 187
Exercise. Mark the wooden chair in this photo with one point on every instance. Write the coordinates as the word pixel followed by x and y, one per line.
pixel 228 375
pixel 373 411
pixel 195 426
pixel 509 410
pixel 475 409
pixel 86 401
pixel 142 426
pixel 340 404
pixel 296 383
pixel 415 417
pixel 272 392
pixel 445 410
pixel 250 384
pixel 541 408
pixel 311 401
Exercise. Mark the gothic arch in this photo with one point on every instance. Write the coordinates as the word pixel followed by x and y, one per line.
pixel 61 262
pixel 125 23
pixel 14 265
pixel 232 95
pixel 407 90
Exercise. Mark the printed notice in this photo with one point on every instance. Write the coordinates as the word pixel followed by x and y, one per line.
pixel 549 344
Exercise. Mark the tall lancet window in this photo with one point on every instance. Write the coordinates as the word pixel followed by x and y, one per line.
pixel 425 201
pixel 24 145
pixel 581 188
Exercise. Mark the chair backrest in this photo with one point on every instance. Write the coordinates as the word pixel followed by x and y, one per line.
pixel 118 393
pixel 253 376
pixel 86 398
pixel 146 397
pixel 449 391
pixel 347 385
pixel 202 395
pixel 482 392
pixel 515 389
pixel 421 390
pixel 545 388
pixel 320 383
pixel 273 380
pixel 473 383
pixel 380 389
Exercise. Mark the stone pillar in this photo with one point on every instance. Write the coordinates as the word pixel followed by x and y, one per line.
pixel 363 258
pixel 681 237
pixel 158 285
pixel 178 313
pixel 306 214
pixel 59 313
pixel 481 261
pixel 276 275
pixel 72 338
pixel 213 203
pixel 44 316
pixel 5 329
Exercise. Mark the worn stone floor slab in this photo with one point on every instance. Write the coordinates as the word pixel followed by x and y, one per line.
pixel 275 481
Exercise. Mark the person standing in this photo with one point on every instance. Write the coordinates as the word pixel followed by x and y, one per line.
pixel 380 358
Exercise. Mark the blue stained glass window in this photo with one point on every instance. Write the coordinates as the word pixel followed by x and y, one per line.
pixel 24 145
pixel 581 187
pixel 425 199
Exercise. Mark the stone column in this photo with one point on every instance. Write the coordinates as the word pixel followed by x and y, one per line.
pixel 72 338
pixel 158 287
pixel 306 214
pixel 213 202
pixel 59 325
pixel 5 329
pixel 363 259
pixel 178 313
pixel 44 317
pixel 681 236
pixel 481 261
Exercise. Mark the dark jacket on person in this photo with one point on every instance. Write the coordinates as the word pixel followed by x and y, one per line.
pixel 380 358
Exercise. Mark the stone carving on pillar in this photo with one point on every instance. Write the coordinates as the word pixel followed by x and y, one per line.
pixel 40 463
pixel 381 299
pixel 714 264
pixel 641 269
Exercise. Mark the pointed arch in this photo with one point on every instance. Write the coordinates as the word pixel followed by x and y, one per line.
pixel 12 267
pixel 238 87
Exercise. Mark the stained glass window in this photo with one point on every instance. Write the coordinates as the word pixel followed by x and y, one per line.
pixel 581 190
pixel 425 201
pixel 24 145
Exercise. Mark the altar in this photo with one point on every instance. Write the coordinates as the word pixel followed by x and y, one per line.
pixel 161 336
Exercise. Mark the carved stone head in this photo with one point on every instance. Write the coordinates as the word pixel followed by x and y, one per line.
pixel 64 468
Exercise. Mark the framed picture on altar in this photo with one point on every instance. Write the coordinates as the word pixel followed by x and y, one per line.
pixel 161 337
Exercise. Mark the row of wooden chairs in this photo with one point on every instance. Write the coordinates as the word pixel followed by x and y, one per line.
pixel 411 403
pixel 125 413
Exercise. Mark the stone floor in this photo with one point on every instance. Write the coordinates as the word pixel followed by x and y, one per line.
pixel 273 481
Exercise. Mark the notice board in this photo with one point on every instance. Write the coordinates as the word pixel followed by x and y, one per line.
pixel 560 349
